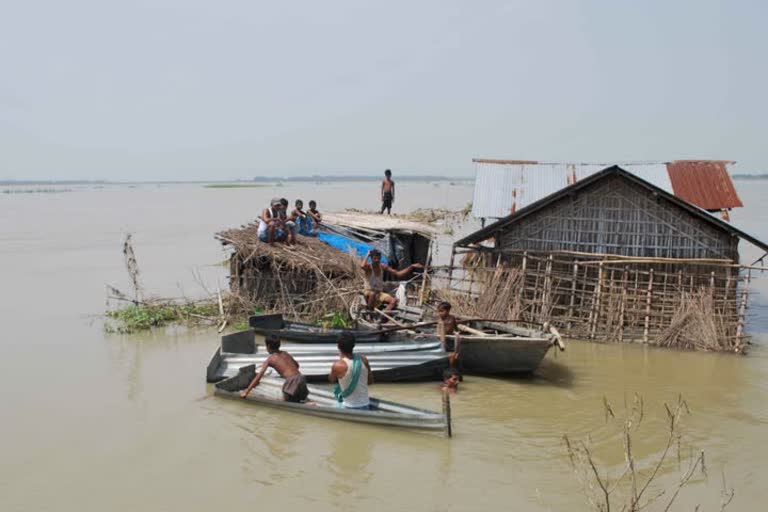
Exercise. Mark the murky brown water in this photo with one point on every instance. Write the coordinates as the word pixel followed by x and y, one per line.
pixel 93 421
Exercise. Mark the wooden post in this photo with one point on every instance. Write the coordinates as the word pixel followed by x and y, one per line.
pixel 450 268
pixel 447 414
pixel 522 276
pixel 425 276
pixel 648 307
pixel 547 292
pixel 622 305
pixel 573 295
pixel 596 301
pixel 743 308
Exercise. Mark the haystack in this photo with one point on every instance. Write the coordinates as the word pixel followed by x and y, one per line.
pixel 311 278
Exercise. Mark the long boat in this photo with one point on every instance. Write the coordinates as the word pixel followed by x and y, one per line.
pixel 412 361
pixel 489 347
pixel 322 403
pixel 497 348
pixel 308 333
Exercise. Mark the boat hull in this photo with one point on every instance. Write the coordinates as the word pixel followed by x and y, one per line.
pixel 299 332
pixel 322 403
pixel 390 362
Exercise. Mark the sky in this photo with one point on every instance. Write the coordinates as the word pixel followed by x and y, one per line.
pixel 173 90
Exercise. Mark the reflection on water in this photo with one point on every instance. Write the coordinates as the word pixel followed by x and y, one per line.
pixel 135 415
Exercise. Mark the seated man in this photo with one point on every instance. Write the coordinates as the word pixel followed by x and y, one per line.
pixel 313 212
pixel 352 373
pixel 302 219
pixel 295 386
pixel 374 279
pixel 273 226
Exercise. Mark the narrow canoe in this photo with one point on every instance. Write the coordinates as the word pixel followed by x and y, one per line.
pixel 322 403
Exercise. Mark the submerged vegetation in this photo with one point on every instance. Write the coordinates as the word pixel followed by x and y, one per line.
pixel 640 484
pixel 35 190
pixel 139 317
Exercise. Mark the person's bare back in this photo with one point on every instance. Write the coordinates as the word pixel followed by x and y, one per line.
pixel 283 363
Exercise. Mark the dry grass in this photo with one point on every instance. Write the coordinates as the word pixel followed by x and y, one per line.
pixel 498 296
pixel 696 324
pixel 307 280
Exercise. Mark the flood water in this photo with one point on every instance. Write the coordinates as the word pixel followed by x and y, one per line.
pixel 95 421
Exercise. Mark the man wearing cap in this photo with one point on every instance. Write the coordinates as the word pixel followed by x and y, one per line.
pixel 374 279
pixel 272 226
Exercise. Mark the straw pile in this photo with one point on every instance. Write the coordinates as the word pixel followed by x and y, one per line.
pixel 696 324
pixel 498 297
pixel 307 280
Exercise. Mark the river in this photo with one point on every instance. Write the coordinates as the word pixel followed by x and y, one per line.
pixel 96 421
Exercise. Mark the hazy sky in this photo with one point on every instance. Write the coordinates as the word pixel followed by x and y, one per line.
pixel 199 90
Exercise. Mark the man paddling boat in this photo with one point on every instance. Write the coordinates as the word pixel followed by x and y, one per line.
pixel 295 386
pixel 352 374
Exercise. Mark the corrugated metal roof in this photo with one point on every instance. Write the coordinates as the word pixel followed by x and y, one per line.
pixel 706 184
pixel 504 186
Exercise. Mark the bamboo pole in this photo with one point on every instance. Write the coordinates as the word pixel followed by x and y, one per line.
pixel 743 308
pixel 622 305
pixel 648 307
pixel 596 302
pixel 572 301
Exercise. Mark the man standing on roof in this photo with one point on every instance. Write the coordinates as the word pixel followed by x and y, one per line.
pixel 387 192
pixel 374 279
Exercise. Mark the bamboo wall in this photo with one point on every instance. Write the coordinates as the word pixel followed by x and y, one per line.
pixel 615 298
pixel 616 216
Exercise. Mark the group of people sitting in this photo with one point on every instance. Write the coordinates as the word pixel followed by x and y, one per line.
pixel 277 225
pixel 352 372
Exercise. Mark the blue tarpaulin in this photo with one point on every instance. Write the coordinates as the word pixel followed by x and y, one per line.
pixel 348 245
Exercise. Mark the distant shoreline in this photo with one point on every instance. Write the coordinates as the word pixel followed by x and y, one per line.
pixel 750 176
pixel 256 180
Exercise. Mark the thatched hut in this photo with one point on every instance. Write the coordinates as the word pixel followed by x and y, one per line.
pixel 613 257
pixel 319 274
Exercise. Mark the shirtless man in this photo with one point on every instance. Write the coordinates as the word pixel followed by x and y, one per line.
pixel 303 220
pixel 352 373
pixel 374 279
pixel 448 325
pixel 387 192
pixel 295 386
pixel 313 212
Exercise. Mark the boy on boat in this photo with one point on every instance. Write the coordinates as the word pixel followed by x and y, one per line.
pixel 374 279
pixel 273 226
pixel 313 212
pixel 295 386
pixel 352 375
pixel 387 192
pixel 302 219
pixel 448 325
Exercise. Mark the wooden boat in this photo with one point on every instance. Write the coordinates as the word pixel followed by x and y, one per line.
pixel 308 333
pixel 411 361
pixel 488 347
pixel 497 348
pixel 322 403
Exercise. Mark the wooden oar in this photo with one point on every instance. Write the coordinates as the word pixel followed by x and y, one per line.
pixel 470 330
